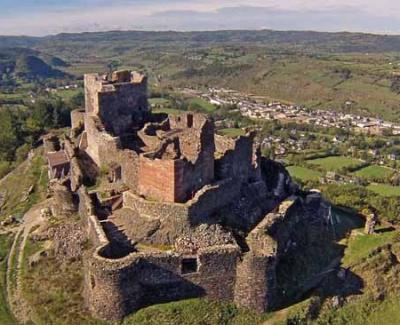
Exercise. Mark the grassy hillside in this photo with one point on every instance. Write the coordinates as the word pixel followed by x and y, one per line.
pixel 356 73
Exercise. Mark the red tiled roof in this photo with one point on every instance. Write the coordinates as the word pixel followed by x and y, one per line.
pixel 57 158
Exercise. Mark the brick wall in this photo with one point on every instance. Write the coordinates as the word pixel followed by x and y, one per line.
pixel 156 179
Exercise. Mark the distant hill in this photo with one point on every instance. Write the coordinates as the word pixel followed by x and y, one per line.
pixel 57 62
pixel 307 40
pixel 30 66
pixel 26 63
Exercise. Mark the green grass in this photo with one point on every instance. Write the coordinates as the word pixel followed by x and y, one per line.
pixel 303 173
pixel 361 245
pixel 19 181
pixel 194 312
pixel 233 133
pixel 67 94
pixel 335 163
pixel 5 316
pixel 159 101
pixel 363 311
pixel 54 291
pixel 169 111
pixel 374 173
pixel 384 189
pixel 202 105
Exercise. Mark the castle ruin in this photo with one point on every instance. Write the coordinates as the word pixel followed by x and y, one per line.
pixel 184 213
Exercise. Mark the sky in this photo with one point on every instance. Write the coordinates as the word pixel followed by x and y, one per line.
pixel 45 17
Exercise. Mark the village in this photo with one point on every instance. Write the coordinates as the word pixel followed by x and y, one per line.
pixel 255 107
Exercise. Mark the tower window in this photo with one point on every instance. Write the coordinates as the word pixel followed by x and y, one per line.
pixel 189 265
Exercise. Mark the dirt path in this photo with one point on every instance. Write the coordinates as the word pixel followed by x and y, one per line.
pixel 17 304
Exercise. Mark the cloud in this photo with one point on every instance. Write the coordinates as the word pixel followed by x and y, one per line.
pixel 54 16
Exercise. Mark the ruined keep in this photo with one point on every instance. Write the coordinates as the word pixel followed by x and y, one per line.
pixel 185 213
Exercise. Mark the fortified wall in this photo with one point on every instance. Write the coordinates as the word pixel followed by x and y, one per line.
pixel 169 186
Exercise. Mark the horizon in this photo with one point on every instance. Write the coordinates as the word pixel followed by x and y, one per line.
pixel 51 17
pixel 202 31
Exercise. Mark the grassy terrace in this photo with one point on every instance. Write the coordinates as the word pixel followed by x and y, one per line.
pixel 158 101
pixel 16 185
pixel 303 173
pixel 202 105
pixel 169 111
pixel 5 315
pixel 374 173
pixel 385 190
pixel 361 245
pixel 194 312
pixel 335 163
pixel 233 133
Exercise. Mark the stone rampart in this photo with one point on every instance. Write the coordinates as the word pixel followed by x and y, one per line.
pixel 120 286
pixel 77 118
pixel 198 210
pixel 237 158
pixel 256 274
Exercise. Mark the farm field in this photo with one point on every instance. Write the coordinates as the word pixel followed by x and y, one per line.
pixel 374 173
pixel 203 105
pixel 335 163
pixel 169 111
pixel 233 133
pixel 384 189
pixel 158 101
pixel 303 173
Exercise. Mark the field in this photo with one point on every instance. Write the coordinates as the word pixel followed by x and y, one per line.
pixel 158 101
pixel 202 105
pixel 193 312
pixel 233 133
pixel 169 111
pixel 335 163
pixel 16 186
pixel 360 245
pixel 5 316
pixel 303 173
pixel 385 190
pixel 374 173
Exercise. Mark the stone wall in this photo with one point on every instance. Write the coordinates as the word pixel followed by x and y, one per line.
pixel 118 287
pixel 77 118
pixel 256 273
pixel 93 85
pixel 238 158
pixel 211 199
pixel 183 162
pixel 120 104
pixel 198 210
pixel 155 209
pixel 76 175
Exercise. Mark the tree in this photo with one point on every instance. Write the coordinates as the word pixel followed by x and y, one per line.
pixel 113 65
pixel 8 135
